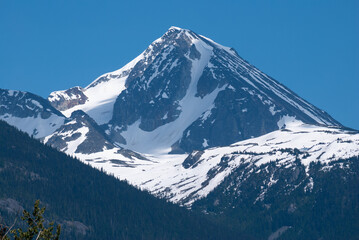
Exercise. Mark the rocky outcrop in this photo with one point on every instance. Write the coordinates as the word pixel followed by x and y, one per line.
pixel 63 100
pixel 79 134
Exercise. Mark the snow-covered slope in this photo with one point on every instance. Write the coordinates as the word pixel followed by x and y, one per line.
pixel 98 98
pixel 29 113
pixel 185 92
pixel 186 178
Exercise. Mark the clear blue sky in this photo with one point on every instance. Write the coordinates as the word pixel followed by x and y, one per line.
pixel 311 46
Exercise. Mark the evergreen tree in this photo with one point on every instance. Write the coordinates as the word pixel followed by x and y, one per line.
pixel 35 227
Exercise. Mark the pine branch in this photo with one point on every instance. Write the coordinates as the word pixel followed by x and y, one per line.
pixel 9 229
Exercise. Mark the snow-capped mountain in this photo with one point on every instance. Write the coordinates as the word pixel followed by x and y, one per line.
pixel 191 121
pixel 185 92
pixel 181 118
pixel 29 113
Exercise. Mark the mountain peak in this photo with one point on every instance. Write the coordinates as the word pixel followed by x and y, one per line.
pixel 175 28
pixel 178 29
pixel 177 33
pixel 186 92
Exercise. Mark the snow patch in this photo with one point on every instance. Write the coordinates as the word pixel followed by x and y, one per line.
pixel 164 95
pixel 205 143
pixel 272 111
pixel 37 104
pixel 72 145
pixel 309 186
pixel 286 120
pixel 165 116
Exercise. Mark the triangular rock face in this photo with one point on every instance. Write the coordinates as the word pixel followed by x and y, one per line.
pixel 186 92
pixel 79 134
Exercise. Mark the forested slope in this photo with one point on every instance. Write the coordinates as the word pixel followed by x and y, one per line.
pixel 88 203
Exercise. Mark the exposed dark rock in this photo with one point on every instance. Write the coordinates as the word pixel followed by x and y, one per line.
pixel 192 159
pixel 24 104
pixel 248 105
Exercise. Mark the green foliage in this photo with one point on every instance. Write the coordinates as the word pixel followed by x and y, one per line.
pixel 36 228
pixel 3 232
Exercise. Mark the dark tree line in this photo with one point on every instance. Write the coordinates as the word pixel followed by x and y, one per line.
pixel 88 203
pixel 329 210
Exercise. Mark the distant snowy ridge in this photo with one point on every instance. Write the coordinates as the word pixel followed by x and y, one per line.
pixel 29 113
pixel 181 178
pixel 187 178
